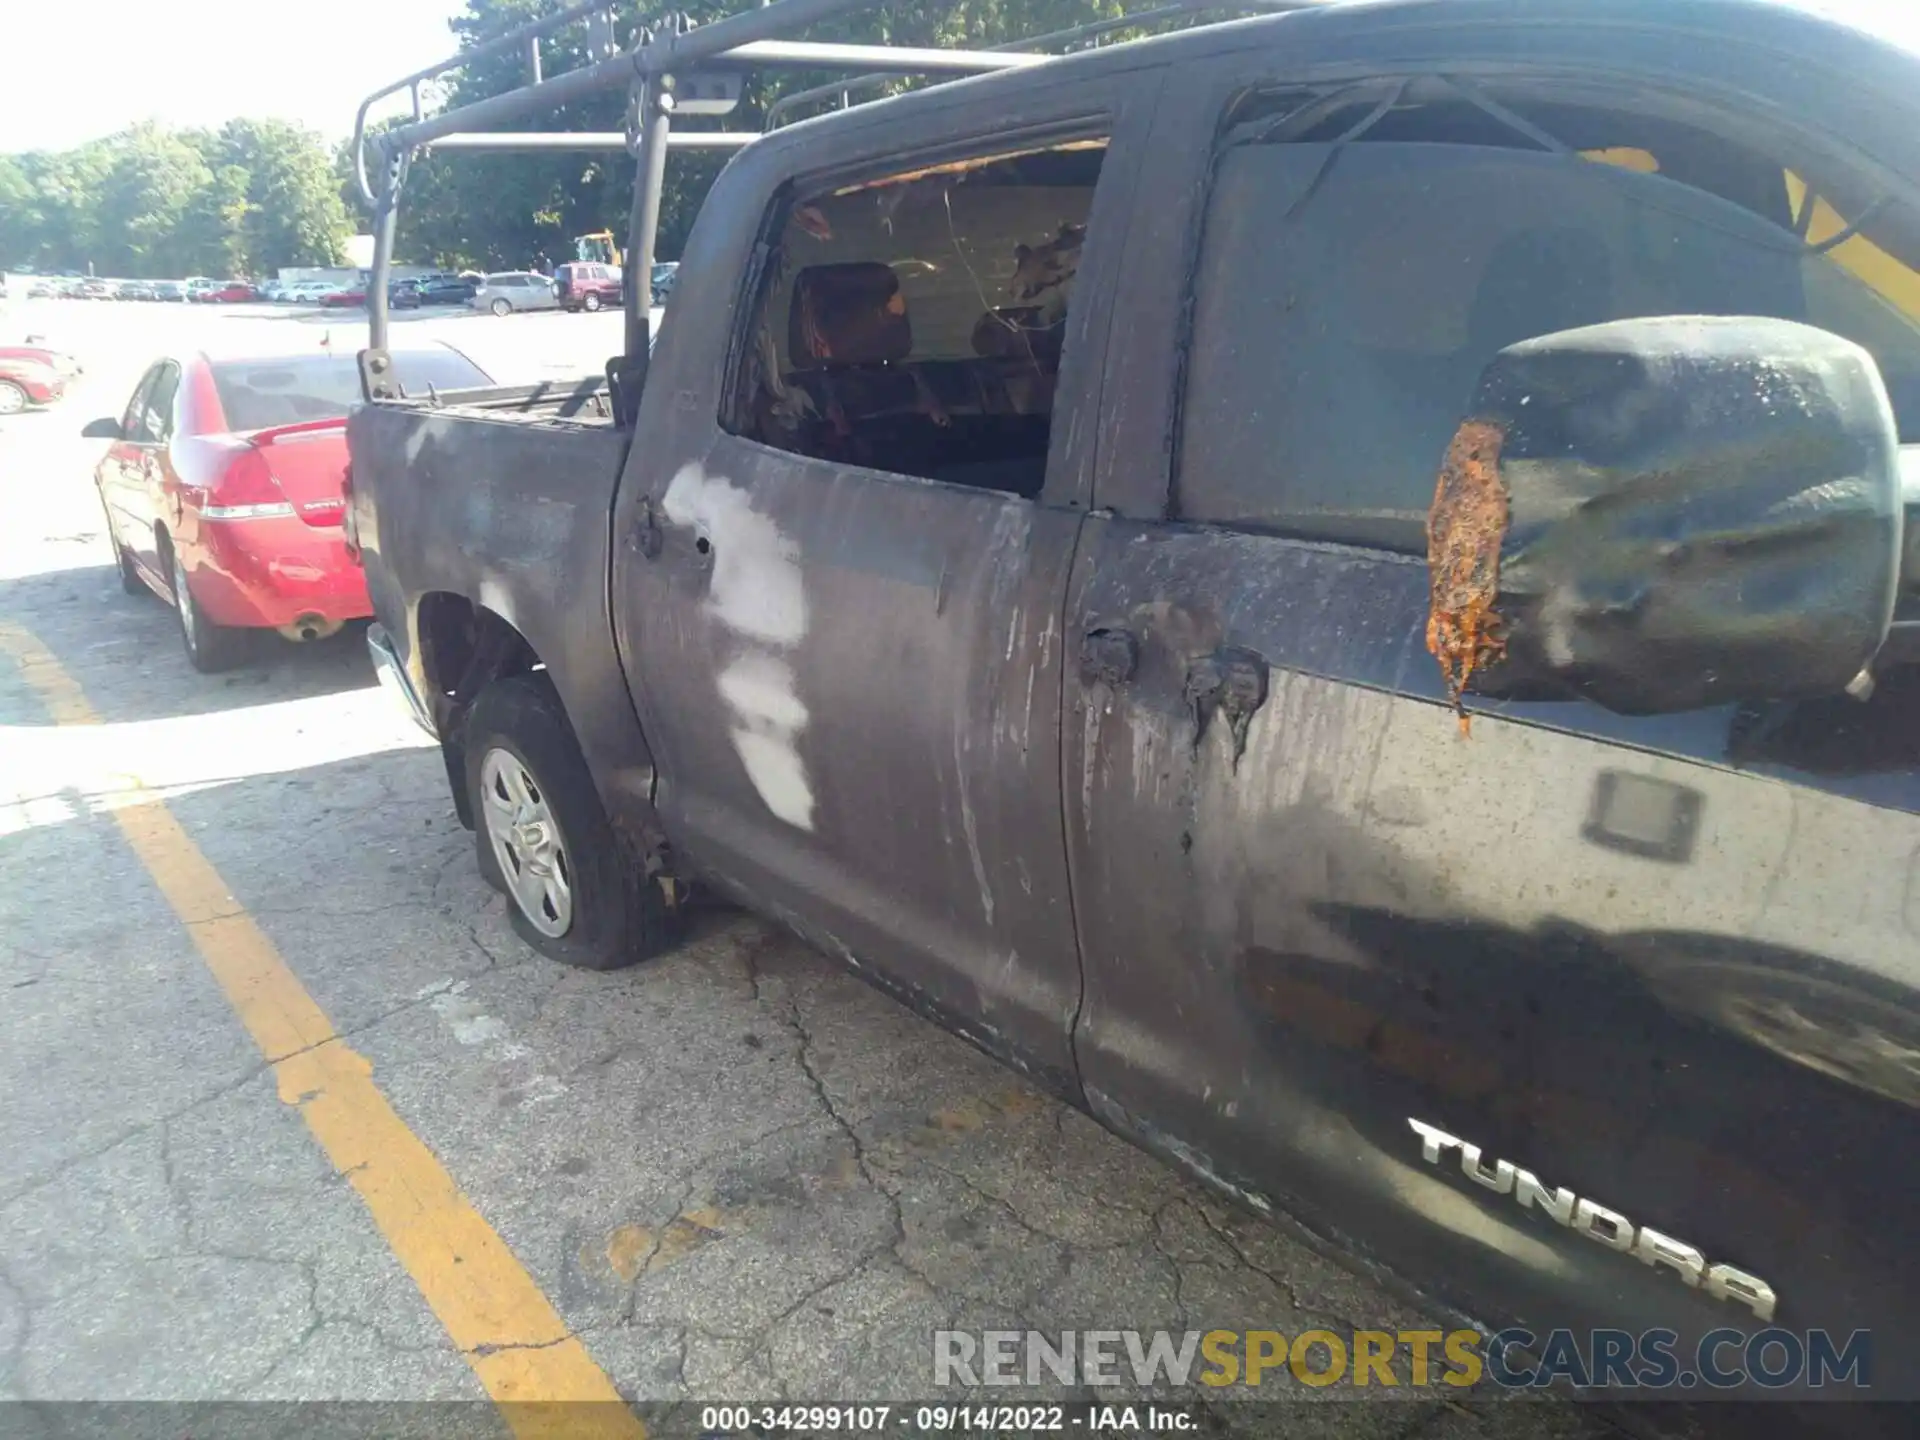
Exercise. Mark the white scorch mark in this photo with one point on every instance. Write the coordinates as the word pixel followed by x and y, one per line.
pixel 758 687
pixel 755 591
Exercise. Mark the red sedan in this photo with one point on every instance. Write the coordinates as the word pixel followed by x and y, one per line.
pixel 29 377
pixel 340 298
pixel 233 290
pixel 224 492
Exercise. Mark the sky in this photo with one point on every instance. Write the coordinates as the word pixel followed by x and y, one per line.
pixel 68 75
pixel 73 74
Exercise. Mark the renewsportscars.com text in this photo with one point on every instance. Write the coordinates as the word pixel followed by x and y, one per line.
pixel 1724 1359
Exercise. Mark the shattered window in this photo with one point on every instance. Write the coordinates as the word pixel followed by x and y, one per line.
pixel 916 324
pixel 1348 296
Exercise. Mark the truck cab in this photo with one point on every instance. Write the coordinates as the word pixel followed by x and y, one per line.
pixel 1334 589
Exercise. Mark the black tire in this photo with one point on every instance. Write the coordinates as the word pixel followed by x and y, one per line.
pixel 210 648
pixel 590 302
pixel 130 580
pixel 619 915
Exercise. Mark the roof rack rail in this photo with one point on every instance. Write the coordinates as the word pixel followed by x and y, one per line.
pixel 671 66
pixel 1061 42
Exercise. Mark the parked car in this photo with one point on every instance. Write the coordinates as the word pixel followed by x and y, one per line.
pixel 446 290
pixel 28 379
pixel 226 292
pixel 587 285
pixel 96 290
pixel 35 348
pixel 311 292
pixel 138 290
pixel 41 289
pixel 404 295
pixel 662 282
pixel 223 491
pixel 170 290
pixel 1044 601
pixel 344 297
pixel 513 290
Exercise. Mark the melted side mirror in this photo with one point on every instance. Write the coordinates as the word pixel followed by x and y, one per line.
pixel 105 428
pixel 1663 514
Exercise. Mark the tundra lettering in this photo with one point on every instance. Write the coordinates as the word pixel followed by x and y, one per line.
pixel 1609 1227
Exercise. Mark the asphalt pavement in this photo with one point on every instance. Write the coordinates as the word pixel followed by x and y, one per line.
pixel 733 1174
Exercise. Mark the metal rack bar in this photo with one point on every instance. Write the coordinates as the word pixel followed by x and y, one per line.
pixel 666 46
pixel 537 140
pixel 1092 30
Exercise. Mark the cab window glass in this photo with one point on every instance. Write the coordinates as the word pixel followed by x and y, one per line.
pixel 916 324
pixel 1348 297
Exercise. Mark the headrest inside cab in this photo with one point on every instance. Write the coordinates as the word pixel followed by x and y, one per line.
pixel 852 314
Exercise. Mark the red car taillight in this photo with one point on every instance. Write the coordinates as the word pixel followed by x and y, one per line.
pixel 246 492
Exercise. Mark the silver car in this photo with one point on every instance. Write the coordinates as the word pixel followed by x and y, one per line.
pixel 513 290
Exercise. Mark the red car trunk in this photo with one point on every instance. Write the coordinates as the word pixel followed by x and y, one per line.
pixel 305 463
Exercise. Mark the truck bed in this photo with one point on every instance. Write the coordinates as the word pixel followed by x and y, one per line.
pixel 499 504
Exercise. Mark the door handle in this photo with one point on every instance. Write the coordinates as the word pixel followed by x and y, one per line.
pixel 1231 682
pixel 1108 655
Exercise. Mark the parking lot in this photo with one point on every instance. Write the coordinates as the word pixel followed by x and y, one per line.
pixel 735 1173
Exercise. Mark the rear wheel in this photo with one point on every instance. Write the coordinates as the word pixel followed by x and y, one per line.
pixel 590 301
pixel 210 648
pixel 501 307
pixel 13 399
pixel 575 891
pixel 130 580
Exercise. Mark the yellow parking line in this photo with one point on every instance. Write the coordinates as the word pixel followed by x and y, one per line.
pixel 545 1382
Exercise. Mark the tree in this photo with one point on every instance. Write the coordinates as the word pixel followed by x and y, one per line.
pixel 150 188
pixel 292 214
pixel 246 199
pixel 22 226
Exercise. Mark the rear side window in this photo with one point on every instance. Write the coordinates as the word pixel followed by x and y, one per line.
pixel 131 423
pixel 262 394
pixel 1346 301
pixel 156 421
pixel 916 324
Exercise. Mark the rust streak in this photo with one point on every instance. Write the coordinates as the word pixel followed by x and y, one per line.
pixel 1465 529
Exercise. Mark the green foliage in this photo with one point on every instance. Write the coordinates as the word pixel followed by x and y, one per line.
pixel 244 200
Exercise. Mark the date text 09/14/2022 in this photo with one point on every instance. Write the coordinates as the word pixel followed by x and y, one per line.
pixel 873 1420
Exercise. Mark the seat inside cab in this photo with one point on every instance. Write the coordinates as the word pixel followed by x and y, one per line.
pixel 917 325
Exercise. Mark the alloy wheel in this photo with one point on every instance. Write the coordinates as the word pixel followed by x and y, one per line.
pixel 527 842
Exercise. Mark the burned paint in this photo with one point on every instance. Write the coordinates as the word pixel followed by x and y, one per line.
pixel 808 219
pixel 1465 529
pixel 1232 682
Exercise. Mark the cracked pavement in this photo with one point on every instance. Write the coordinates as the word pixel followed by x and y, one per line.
pixel 737 1172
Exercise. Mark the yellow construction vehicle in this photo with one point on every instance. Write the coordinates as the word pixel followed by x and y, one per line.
pixel 598 246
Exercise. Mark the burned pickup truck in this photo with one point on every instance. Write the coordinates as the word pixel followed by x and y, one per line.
pixel 1333 588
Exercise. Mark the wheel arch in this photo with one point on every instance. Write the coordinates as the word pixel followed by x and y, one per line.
pixel 465 647
pixel 462 646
